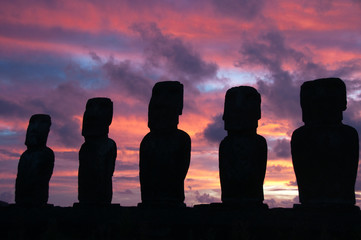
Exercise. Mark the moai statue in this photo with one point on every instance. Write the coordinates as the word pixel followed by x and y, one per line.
pixel 325 152
pixel 36 164
pixel 165 150
pixel 97 154
pixel 242 153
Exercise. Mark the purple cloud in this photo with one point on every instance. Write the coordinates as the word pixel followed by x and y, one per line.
pixel 282 148
pixel 214 132
pixel 125 167
pixel 243 9
pixel 278 89
pixel 179 60
pixel 8 154
pixel 10 109
pixel 131 82
pixel 204 198
pixel 275 168
pixel 127 192
pixel 7 197
pixel 127 179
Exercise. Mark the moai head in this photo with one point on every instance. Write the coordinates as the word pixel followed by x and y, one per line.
pixel 242 109
pixel 323 101
pixel 97 117
pixel 38 131
pixel 165 105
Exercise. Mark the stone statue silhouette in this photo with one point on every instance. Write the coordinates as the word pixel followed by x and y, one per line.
pixel 325 152
pixel 36 164
pixel 165 150
pixel 97 154
pixel 242 153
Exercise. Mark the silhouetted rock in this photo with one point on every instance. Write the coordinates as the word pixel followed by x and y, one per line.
pixel 36 164
pixel 97 154
pixel 325 152
pixel 165 150
pixel 242 153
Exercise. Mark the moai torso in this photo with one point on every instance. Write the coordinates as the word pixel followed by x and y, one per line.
pixel 242 153
pixel 97 154
pixel 165 150
pixel 36 164
pixel 324 151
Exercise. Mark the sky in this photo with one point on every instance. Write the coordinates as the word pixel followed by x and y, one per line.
pixel 54 55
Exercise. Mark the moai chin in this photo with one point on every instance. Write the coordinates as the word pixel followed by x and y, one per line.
pixel 242 153
pixel 36 165
pixel 325 152
pixel 165 150
pixel 97 154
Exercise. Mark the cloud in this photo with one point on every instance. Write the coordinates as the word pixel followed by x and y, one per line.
pixel 64 35
pixel 125 167
pixel 128 179
pixel 321 6
pixel 62 103
pixel 9 154
pixel 292 183
pixel 244 9
pixel 271 203
pixel 214 132
pixel 31 68
pixel 12 109
pixel 275 168
pixel 128 80
pixel 9 166
pixel 179 59
pixel 358 184
pixel 278 88
pixel 282 148
pixel 276 203
pixel 45 83
pixel 358 180
pixel 204 198
pixel 7 197
pixel 95 57
pixel 351 115
pixel 67 154
pixel 127 191
pixel 280 85
pixel 12 138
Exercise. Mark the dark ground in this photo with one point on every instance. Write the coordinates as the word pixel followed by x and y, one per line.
pixel 199 222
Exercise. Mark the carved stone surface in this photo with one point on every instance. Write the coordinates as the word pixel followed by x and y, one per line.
pixel 165 150
pixel 242 153
pixel 36 164
pixel 97 154
pixel 325 152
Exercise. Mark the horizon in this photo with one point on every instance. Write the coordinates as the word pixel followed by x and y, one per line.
pixel 55 55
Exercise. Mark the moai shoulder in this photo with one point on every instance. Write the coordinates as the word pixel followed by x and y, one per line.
pixel 242 153
pixel 165 150
pixel 325 151
pixel 97 155
pixel 36 164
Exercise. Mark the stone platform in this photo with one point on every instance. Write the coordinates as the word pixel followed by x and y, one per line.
pixel 199 222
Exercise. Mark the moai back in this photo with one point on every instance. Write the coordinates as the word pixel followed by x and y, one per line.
pixel 242 153
pixel 165 150
pixel 97 154
pixel 325 151
pixel 35 165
